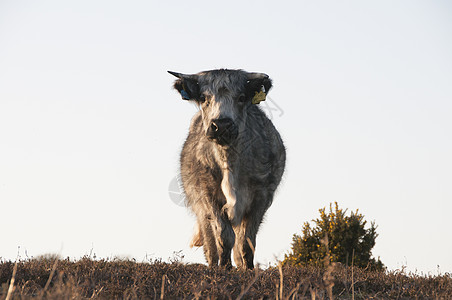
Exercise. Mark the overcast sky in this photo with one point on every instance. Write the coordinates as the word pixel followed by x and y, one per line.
pixel 91 130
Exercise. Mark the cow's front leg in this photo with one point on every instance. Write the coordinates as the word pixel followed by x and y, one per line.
pixel 225 238
pixel 246 232
pixel 245 245
pixel 208 238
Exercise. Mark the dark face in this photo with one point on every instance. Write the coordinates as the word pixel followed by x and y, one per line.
pixel 223 97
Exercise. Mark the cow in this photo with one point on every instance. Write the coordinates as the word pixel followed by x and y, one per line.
pixel 231 162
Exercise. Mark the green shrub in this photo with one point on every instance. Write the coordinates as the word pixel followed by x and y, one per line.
pixel 347 241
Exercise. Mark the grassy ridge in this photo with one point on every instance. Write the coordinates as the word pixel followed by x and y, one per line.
pixel 50 278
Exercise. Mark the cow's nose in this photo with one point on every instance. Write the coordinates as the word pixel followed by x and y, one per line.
pixel 223 131
pixel 220 125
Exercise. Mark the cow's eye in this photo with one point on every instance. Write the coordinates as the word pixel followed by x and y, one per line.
pixel 242 98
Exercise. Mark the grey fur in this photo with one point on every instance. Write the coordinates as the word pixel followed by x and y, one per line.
pixel 229 187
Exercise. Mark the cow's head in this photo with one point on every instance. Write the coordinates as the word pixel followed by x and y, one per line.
pixel 224 97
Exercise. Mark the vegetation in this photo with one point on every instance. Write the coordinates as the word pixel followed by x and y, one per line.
pixel 331 260
pixel 51 278
pixel 337 237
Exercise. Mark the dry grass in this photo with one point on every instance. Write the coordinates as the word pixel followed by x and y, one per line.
pixel 50 278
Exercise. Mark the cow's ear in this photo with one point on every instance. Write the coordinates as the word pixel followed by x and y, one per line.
pixel 257 86
pixel 186 85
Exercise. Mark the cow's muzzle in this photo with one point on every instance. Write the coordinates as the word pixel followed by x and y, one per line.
pixel 222 131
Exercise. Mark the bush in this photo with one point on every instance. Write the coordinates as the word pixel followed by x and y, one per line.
pixel 343 238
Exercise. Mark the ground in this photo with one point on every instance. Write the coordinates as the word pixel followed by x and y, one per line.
pixel 52 278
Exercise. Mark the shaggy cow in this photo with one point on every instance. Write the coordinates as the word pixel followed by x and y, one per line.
pixel 231 163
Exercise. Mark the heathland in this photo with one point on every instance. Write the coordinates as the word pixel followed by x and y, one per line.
pixel 52 278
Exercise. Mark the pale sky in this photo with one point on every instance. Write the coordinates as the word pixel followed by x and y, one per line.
pixel 91 130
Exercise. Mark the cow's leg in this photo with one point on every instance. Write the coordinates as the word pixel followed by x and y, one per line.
pixel 225 238
pixel 218 238
pixel 246 231
pixel 245 244
pixel 209 240
pixel 238 247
